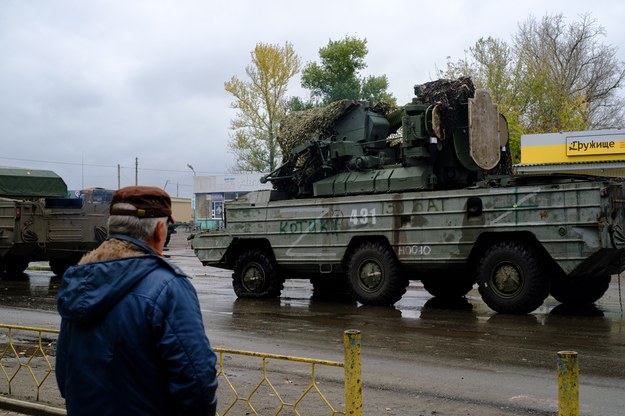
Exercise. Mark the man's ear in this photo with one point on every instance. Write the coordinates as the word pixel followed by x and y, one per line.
pixel 162 230
pixel 158 237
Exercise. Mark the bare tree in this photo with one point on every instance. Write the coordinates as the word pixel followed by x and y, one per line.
pixel 568 74
pixel 554 77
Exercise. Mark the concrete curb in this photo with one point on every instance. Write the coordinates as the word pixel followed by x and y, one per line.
pixel 28 408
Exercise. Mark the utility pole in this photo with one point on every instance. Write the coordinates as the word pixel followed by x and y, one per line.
pixel 119 174
pixel 136 171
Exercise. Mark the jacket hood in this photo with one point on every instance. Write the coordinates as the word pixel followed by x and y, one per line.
pixel 88 291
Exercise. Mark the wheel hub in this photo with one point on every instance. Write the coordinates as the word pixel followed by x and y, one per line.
pixel 506 279
pixel 253 278
pixel 370 276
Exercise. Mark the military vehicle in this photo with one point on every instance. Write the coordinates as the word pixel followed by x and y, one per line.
pixel 375 198
pixel 39 223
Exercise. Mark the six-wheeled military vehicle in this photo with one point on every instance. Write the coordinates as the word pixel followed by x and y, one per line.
pixel 38 222
pixel 371 197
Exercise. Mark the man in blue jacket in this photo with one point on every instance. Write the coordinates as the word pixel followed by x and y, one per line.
pixel 132 340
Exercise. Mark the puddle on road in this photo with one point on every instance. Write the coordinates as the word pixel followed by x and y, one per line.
pixel 32 289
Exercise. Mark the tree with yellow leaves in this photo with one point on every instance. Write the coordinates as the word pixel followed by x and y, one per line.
pixel 261 104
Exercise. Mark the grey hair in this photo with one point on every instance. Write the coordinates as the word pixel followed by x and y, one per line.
pixel 139 228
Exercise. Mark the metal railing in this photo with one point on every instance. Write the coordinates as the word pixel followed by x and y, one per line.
pixel 310 389
pixel 22 354
pixel 19 356
pixel 25 351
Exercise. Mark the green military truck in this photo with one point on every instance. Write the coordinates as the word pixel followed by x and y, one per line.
pixel 39 223
pixel 425 193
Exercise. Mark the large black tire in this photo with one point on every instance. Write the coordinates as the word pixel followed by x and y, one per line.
pixel 14 267
pixel 581 290
pixel 446 287
pixel 256 275
pixel 374 275
pixel 512 278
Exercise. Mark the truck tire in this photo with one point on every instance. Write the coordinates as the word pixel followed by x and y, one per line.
pixel 445 287
pixel 511 278
pixel 255 275
pixel 14 267
pixel 582 290
pixel 374 275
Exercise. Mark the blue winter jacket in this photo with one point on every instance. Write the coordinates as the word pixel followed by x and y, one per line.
pixel 132 340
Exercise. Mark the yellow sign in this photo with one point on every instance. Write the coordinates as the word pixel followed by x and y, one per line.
pixel 573 147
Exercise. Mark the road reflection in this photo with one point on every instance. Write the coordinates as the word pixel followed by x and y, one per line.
pixel 33 289
pixel 460 344
pixel 462 328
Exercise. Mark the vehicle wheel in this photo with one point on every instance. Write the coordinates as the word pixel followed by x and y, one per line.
pixel 511 278
pixel 374 275
pixel 255 275
pixel 332 287
pixel 448 287
pixel 14 267
pixel 582 290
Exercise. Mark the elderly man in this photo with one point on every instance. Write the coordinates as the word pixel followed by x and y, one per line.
pixel 132 340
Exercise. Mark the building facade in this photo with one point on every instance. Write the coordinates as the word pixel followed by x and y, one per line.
pixel 181 209
pixel 211 192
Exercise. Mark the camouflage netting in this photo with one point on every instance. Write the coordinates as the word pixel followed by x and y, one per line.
pixel 316 123
pixel 301 126
pixel 449 96
pixel 445 91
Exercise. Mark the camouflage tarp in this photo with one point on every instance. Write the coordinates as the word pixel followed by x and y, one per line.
pixel 30 183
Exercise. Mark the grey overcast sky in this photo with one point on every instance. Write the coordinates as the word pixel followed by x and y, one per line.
pixel 87 86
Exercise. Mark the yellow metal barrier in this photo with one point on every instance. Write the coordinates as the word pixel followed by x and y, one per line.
pixel 32 356
pixel 352 383
pixel 225 380
pixel 353 373
pixel 568 385
pixel 29 358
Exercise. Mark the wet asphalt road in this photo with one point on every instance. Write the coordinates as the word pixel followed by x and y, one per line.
pixel 419 357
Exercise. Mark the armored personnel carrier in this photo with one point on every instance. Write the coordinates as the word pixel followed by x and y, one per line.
pixel 369 199
pixel 39 223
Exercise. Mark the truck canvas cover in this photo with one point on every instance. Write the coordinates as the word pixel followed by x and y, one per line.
pixel 30 183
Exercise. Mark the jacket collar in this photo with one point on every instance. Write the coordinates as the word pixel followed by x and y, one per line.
pixel 141 244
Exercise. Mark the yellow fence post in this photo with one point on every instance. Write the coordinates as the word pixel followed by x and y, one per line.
pixel 568 387
pixel 353 373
